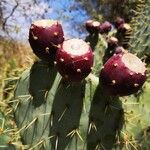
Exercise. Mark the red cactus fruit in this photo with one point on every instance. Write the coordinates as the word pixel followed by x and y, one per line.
pixel 124 33
pixel 92 26
pixel 125 27
pixel 119 21
pixel 74 60
pixel 123 74
pixel 44 37
pixel 105 27
pixel 112 42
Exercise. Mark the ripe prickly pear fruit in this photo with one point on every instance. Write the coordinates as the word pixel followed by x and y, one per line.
pixel 112 42
pixel 124 33
pixel 44 37
pixel 74 60
pixel 123 74
pixel 125 27
pixel 92 26
pixel 119 21
pixel 105 27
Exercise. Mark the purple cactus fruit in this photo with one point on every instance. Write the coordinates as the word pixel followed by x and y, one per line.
pixel 105 27
pixel 119 49
pixel 119 21
pixel 112 42
pixel 125 27
pixel 123 74
pixel 92 26
pixel 74 60
pixel 44 37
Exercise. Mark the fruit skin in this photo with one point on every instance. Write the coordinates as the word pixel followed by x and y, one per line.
pixel 124 27
pixel 124 33
pixel 119 21
pixel 118 79
pixel 74 67
pixel 105 27
pixel 44 40
pixel 92 26
pixel 112 42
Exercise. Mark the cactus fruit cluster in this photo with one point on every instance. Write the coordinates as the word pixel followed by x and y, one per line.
pixel 97 27
pixel 85 95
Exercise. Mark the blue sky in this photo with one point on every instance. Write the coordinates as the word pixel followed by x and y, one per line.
pixel 69 12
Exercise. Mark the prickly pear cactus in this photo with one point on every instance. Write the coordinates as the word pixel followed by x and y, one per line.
pixel 52 113
pixel 140 42
pixel 5 133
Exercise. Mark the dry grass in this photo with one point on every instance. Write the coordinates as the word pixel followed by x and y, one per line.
pixel 13 56
pixel 14 51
